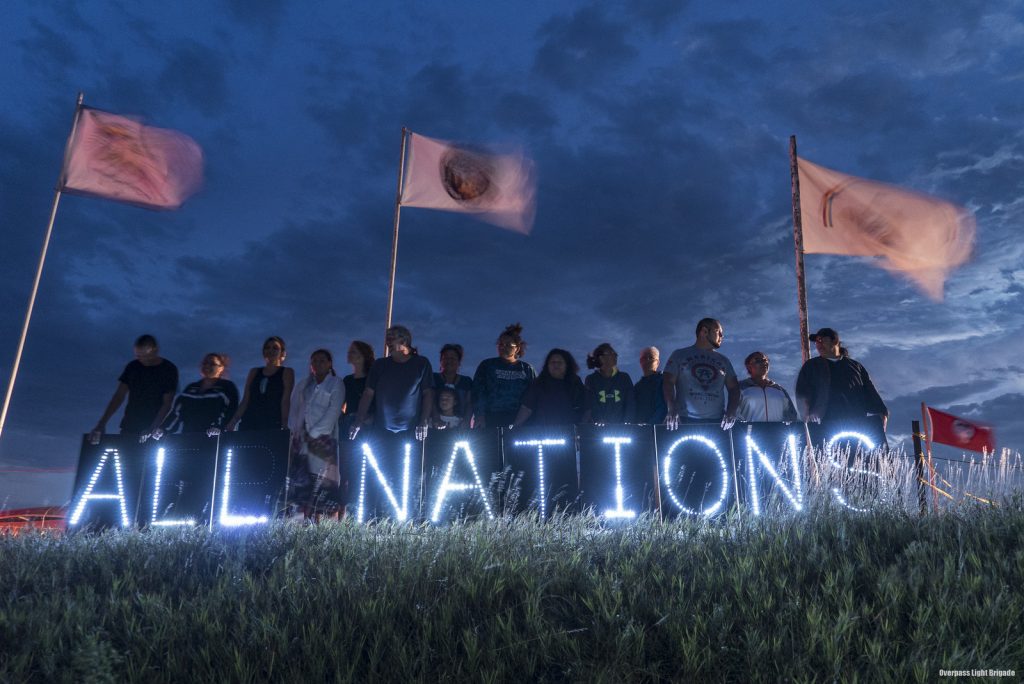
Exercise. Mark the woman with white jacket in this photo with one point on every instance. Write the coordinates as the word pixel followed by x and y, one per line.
pixel 314 477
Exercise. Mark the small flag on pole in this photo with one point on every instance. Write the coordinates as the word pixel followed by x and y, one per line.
pixel 920 236
pixel 958 432
pixel 117 158
pixel 497 188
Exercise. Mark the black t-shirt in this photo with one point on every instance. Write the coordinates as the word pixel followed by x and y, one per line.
pixel 354 388
pixel 397 390
pixel 147 386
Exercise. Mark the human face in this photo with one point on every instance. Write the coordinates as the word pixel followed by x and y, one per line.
pixel 446 402
pixel 273 351
pixel 827 346
pixel 714 335
pixel 608 358
pixel 319 365
pixel 145 353
pixel 557 367
pixel 758 367
pixel 450 361
pixel 507 348
pixel 211 367
pixel 396 343
pixel 649 360
pixel 354 357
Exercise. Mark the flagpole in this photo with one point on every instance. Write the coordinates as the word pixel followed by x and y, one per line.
pixel 394 239
pixel 798 248
pixel 39 270
pixel 926 420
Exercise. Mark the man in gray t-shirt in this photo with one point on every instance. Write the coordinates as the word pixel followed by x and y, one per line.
pixel 696 378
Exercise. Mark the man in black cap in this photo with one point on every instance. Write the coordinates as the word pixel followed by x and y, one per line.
pixel 834 387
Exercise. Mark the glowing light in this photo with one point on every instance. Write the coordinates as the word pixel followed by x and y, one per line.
pixel 540 444
pixel 448 486
pixel 87 495
pixel 401 511
pixel 160 457
pixel 830 446
pixel 618 511
pixel 226 518
pixel 795 496
pixel 708 512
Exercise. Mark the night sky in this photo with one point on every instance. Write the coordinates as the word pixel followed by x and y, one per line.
pixel 660 135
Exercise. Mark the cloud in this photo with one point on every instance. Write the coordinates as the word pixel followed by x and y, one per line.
pixel 582 49
pixel 196 73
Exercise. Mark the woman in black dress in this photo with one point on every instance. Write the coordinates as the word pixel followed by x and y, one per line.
pixel 268 390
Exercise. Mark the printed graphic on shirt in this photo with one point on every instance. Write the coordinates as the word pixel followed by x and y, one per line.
pixel 604 397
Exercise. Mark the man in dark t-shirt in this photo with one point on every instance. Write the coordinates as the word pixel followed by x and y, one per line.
pixel 401 386
pixel 150 383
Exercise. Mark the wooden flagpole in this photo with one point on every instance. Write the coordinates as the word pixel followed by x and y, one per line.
pixel 39 269
pixel 798 247
pixel 926 421
pixel 394 238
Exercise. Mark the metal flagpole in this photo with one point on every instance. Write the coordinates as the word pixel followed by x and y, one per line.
pixel 394 238
pixel 39 270
pixel 798 247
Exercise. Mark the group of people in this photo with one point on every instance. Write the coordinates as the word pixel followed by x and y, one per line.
pixel 401 392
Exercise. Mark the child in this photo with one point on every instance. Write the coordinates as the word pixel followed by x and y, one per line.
pixel 446 399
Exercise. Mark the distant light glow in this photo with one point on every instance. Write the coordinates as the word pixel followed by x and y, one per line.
pixel 160 457
pixel 619 511
pixel 448 486
pixel 830 446
pixel 87 495
pixel 540 444
pixel 226 518
pixel 401 511
pixel 795 495
pixel 708 512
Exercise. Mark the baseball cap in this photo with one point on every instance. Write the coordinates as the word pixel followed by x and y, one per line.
pixel 824 332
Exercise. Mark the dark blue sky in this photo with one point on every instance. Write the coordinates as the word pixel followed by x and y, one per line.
pixel 659 131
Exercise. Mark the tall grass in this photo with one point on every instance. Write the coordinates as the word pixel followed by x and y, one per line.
pixel 821 595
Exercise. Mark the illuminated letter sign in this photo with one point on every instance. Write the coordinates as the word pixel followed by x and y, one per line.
pixel 794 495
pixel 668 479
pixel 540 444
pixel 831 448
pixel 109 456
pixel 401 510
pixel 227 519
pixel 448 486
pixel 253 468
pixel 161 455
pixel 618 511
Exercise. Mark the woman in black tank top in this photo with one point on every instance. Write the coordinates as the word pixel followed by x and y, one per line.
pixel 268 392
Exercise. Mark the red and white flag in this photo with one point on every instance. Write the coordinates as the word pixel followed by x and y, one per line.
pixel 497 188
pixel 964 434
pixel 920 236
pixel 118 158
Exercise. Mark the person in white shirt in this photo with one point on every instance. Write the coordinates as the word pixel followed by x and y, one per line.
pixel 314 476
pixel 763 400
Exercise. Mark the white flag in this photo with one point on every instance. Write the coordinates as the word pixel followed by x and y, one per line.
pixel 497 188
pixel 920 236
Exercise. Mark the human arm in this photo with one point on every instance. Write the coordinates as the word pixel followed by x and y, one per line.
pixel 668 391
pixel 629 415
pixel 732 386
pixel 426 412
pixel 288 380
pixel 233 423
pixel 364 408
pixel 480 395
pixel 115 403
